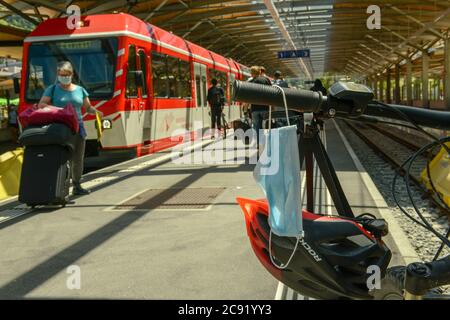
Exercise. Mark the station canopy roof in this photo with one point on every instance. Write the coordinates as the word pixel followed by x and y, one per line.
pixel 252 32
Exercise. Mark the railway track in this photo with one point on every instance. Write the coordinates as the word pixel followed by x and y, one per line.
pixel 395 146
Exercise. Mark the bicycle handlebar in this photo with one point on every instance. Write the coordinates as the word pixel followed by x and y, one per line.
pixel 355 101
pixel 302 100
pixel 425 117
pixel 421 277
pixel 309 101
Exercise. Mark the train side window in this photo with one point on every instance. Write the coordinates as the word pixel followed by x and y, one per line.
pixel 173 73
pixel 132 90
pixel 185 79
pixel 143 67
pixel 159 75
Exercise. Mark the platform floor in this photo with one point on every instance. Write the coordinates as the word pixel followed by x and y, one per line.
pixel 156 254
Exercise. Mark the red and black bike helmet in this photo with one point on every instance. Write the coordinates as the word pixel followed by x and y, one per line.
pixel 331 262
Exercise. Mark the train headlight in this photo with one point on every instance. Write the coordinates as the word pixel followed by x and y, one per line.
pixel 106 124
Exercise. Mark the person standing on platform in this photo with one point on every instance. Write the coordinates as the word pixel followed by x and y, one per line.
pixel 279 81
pixel 258 111
pixel 247 107
pixel 216 100
pixel 12 123
pixel 60 95
pixel 263 73
pixel 318 87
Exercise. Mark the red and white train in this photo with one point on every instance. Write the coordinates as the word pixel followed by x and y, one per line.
pixel 147 81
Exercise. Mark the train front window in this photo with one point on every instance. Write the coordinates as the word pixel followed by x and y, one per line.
pixel 94 63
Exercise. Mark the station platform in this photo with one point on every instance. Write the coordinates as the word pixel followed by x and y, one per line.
pixel 155 229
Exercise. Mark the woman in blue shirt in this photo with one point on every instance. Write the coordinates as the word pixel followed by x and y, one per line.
pixel 61 94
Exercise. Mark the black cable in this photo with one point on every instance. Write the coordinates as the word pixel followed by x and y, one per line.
pixel 408 189
pixel 410 160
pixel 443 203
pixel 441 247
pixel 394 184
pixel 435 191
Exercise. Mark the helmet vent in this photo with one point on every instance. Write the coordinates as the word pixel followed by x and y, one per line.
pixel 252 231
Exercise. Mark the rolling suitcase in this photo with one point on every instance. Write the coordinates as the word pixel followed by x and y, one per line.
pixel 45 177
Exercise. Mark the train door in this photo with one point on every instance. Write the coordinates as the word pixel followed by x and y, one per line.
pixel 144 105
pixel 133 99
pixel 201 93
pixel 136 96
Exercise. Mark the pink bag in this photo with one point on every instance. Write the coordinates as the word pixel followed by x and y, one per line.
pixel 50 114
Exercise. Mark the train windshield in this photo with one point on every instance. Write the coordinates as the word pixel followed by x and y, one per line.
pixel 94 63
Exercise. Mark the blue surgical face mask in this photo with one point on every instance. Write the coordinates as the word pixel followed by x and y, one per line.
pixel 278 174
pixel 66 80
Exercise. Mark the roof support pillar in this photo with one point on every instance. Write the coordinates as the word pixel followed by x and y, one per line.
pixel 447 74
pixel 374 86
pixel 381 90
pixel 397 84
pixel 388 86
pixel 425 77
pixel 408 82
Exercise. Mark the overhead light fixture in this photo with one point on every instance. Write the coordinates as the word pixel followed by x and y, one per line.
pixel 320 7
pixel 321 16
pixel 320 23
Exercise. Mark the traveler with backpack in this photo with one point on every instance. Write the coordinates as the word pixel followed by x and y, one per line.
pixel 318 87
pixel 258 111
pixel 216 100
pixel 279 81
pixel 60 95
pixel 263 73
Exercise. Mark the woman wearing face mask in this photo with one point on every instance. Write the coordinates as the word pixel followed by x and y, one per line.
pixel 61 94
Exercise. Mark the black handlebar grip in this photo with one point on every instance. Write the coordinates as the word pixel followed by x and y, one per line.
pixel 301 100
pixel 421 277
